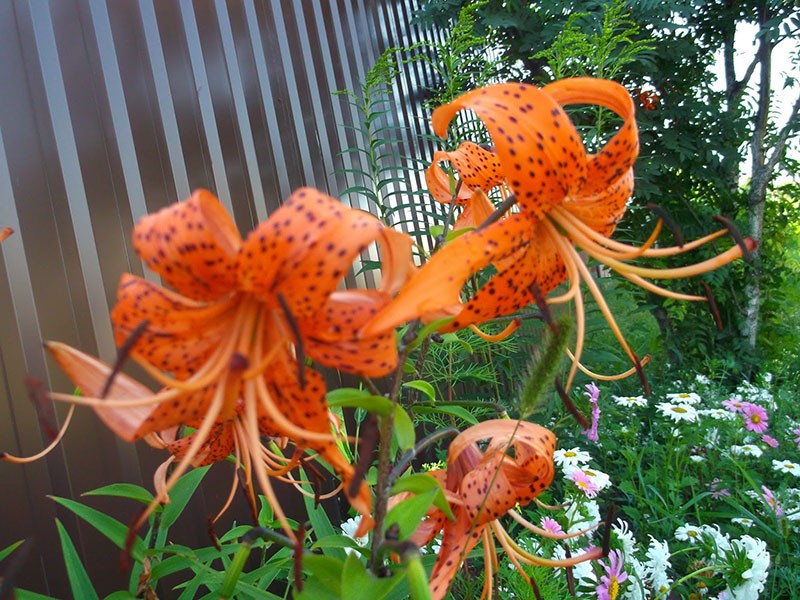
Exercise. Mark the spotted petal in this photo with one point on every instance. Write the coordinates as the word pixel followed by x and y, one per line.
pixel 304 249
pixel 477 167
pixel 192 245
pixel 616 158
pixel 541 152
pixel 180 334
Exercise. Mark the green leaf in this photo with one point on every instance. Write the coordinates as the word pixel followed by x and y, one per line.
pixel 120 595
pixel 326 570
pixel 79 581
pixel 123 490
pixel 180 495
pixel 26 595
pixel 422 386
pixel 108 526
pixel 403 429
pixel 353 398
pixel 339 541
pixel 359 584
pixel 420 483
pixel 6 551
pixel 456 411
pixel 409 513
pixel 436 230
pixel 322 527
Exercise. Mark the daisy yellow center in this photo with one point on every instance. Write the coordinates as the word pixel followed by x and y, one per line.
pixel 789 465
pixel 755 419
pixel 691 533
pixel 582 484
pixel 683 395
pixel 570 453
pixel 679 409
pixel 613 588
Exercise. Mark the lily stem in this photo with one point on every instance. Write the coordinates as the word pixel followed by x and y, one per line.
pixel 383 487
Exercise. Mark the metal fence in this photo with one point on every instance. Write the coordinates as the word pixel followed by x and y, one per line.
pixel 114 108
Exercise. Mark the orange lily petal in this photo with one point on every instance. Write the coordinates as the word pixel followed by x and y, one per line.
pixel 303 250
pixel 603 210
pixel 477 209
pixel 541 151
pixel 434 291
pixel 192 245
pixel 5 232
pixel 438 182
pixel 330 336
pixel 186 409
pixel 181 333
pixel 477 167
pixel 619 154
pixel 90 375
pixel 510 290
pixel 217 446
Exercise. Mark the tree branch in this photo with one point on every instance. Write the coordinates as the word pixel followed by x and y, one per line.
pixel 783 136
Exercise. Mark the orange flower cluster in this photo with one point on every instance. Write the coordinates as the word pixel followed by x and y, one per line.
pixel 228 343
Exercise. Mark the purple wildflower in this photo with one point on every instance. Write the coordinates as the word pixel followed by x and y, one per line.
pixel 716 492
pixel 769 440
pixel 755 418
pixel 593 393
pixel 614 575
pixel 551 525
pixel 770 499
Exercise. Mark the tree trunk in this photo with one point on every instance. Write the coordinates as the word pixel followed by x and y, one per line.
pixel 758 184
pixel 763 167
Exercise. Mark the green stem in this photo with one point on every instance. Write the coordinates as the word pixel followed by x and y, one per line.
pixel 382 487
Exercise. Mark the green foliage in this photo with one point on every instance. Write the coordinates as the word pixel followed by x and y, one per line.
pixel 576 52
pixel 377 165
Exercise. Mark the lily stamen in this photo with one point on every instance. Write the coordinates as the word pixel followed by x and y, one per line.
pixel 42 453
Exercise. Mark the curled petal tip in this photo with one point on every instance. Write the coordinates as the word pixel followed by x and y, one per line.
pixel 5 232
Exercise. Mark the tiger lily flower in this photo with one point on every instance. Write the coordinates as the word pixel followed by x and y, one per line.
pixel 483 486
pixel 480 172
pixel 229 345
pixel 565 197
pixel 5 232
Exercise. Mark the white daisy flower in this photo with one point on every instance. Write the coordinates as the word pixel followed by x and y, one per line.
pixel 571 458
pixel 717 413
pixel 697 458
pixel 630 400
pixel 744 521
pixel 349 529
pixel 685 398
pixel 702 379
pixel 756 576
pixel 625 538
pixel 786 466
pixel 678 412
pixel 748 449
pixel 582 515
pixel 688 533
pixel 656 565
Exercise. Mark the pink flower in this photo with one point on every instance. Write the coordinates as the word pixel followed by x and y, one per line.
pixel 770 499
pixel 797 439
pixel 755 418
pixel 551 525
pixel 584 483
pixel 716 492
pixel 734 405
pixel 769 440
pixel 614 575
pixel 593 393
